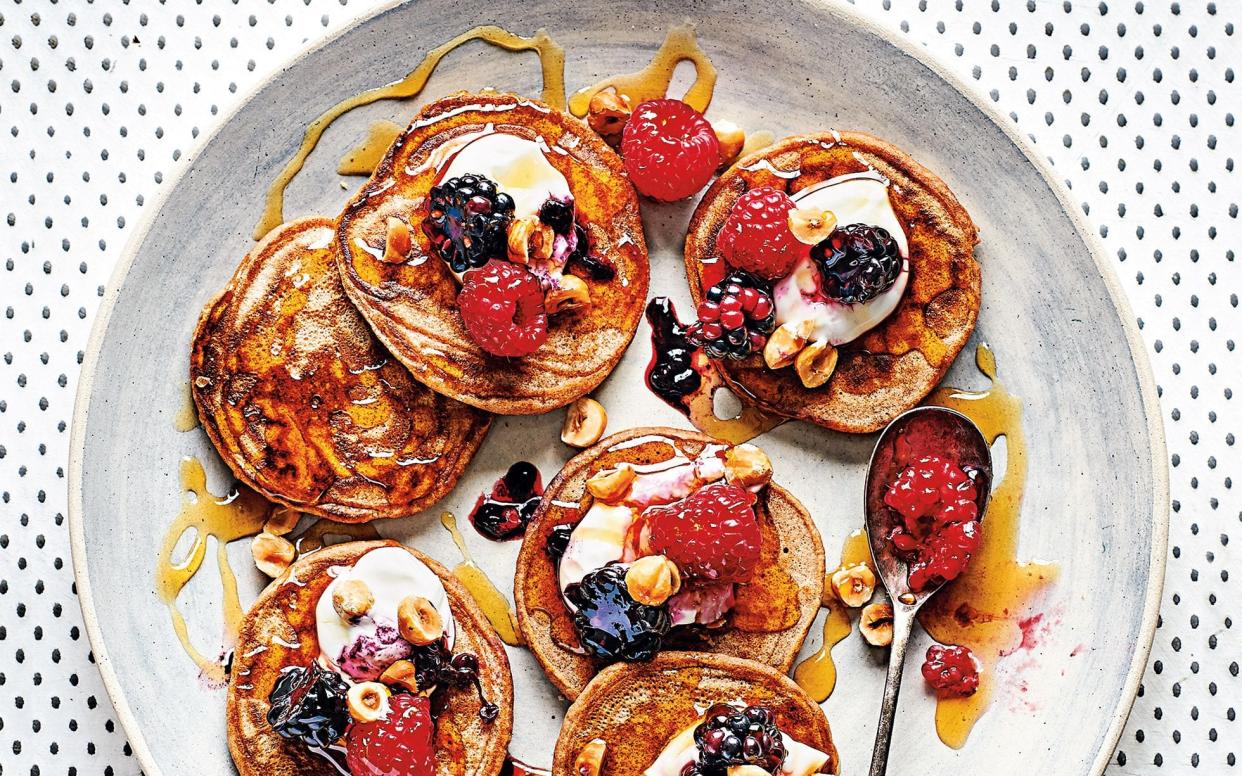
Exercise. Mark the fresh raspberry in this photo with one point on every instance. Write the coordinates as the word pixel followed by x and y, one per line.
pixel 670 150
pixel 756 235
pixel 952 671
pixel 712 533
pixel 401 743
pixel 939 528
pixel 501 304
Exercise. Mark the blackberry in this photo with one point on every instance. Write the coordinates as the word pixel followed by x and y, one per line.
pixel 596 266
pixel 558 541
pixel 309 704
pixel 735 317
pixel 435 665
pixel 731 736
pixel 610 623
pixel 506 511
pixel 857 262
pixel 468 221
pixel 671 374
pixel 558 214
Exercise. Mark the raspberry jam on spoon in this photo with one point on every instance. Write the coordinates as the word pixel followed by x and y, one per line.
pixel 927 488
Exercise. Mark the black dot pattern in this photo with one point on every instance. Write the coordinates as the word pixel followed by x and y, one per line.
pixel 1133 101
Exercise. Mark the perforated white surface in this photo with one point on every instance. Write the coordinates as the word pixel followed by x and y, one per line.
pixel 1132 101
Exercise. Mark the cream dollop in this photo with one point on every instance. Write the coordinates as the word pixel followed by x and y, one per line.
pixel 392 573
pixel 517 165
pixel 857 198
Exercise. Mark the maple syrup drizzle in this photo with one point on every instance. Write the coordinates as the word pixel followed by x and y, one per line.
pixel 817 674
pixel 489 598
pixel 207 516
pixel 756 141
pixel 552 62
pixel 315 537
pixel 186 418
pixel 983 609
pixel 363 158
pixel 652 82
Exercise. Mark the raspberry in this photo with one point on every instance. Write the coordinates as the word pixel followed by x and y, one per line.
pixel 712 533
pixel 403 742
pixel 952 671
pixel 939 529
pixel 670 150
pixel 501 304
pixel 756 235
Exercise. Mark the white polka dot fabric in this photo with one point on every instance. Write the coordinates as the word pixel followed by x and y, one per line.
pixel 1133 102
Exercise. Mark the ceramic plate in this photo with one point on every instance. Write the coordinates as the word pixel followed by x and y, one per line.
pixel 1096 499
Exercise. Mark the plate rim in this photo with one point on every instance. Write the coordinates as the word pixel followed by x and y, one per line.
pixel 840 8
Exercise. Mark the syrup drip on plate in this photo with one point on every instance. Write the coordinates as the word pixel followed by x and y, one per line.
pixel 206 516
pixel 315 537
pixel 363 158
pixel 493 603
pixel 681 375
pixel 817 674
pixel 985 607
pixel 186 418
pixel 652 82
pixel 552 62
pixel 505 512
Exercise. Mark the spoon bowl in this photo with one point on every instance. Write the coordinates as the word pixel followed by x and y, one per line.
pixel 949 434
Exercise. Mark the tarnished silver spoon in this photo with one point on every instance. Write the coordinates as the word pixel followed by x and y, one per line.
pixel 936 431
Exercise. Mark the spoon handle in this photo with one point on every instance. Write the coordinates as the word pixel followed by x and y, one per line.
pixel 903 624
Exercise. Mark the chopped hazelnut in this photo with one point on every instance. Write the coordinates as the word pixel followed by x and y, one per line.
pixel 282 520
pixel 368 701
pixel 529 238
pixel 816 363
pixel 351 598
pixel 608 113
pixel 611 485
pixel 854 585
pixel 401 674
pixel 585 421
pixel 571 293
pixel 811 226
pixel 876 624
pixel 652 580
pixel 397 242
pixel 785 343
pixel 272 554
pixel 418 621
pixel 747 466
pixel 590 759
pixel 731 138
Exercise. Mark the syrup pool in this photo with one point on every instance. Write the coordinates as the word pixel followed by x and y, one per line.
pixel 984 608
pixel 817 674
pixel 495 606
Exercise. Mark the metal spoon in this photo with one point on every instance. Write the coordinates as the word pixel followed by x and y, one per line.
pixel 939 431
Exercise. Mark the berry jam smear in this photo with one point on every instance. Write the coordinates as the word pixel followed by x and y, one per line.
pixel 505 512
pixel 938 529
pixel 672 373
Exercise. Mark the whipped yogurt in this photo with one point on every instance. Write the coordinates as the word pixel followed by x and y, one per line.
pixel 519 167
pixel 800 759
pixel 392 574
pixel 857 198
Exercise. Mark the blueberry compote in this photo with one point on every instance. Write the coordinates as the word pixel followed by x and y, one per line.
pixel 671 375
pixel 505 512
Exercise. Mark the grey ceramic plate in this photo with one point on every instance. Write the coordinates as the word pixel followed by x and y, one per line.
pixel 1096 503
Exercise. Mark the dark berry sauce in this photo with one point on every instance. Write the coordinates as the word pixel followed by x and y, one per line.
pixel 671 375
pixel 558 541
pixel 505 512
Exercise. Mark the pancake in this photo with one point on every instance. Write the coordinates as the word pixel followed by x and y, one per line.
pixel 792 563
pixel 638 707
pixel 284 613
pixel 413 306
pixel 302 402
pixel 895 365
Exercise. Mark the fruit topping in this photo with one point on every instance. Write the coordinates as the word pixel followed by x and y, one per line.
pixel 857 262
pixel 403 742
pixel 372 650
pixel 505 512
pixel 756 236
pixel 735 317
pixel 468 221
pixel 558 541
pixel 558 214
pixel 309 704
pixel 938 529
pixel 501 305
pixel 610 623
pixel 729 736
pixel 951 670
pixel 435 665
pixel 669 149
pixel 671 374
pixel 711 534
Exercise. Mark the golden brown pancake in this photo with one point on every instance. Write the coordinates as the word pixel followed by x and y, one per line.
pixel 638 707
pixel 284 614
pixel 772 613
pixel 413 306
pixel 305 406
pixel 895 365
